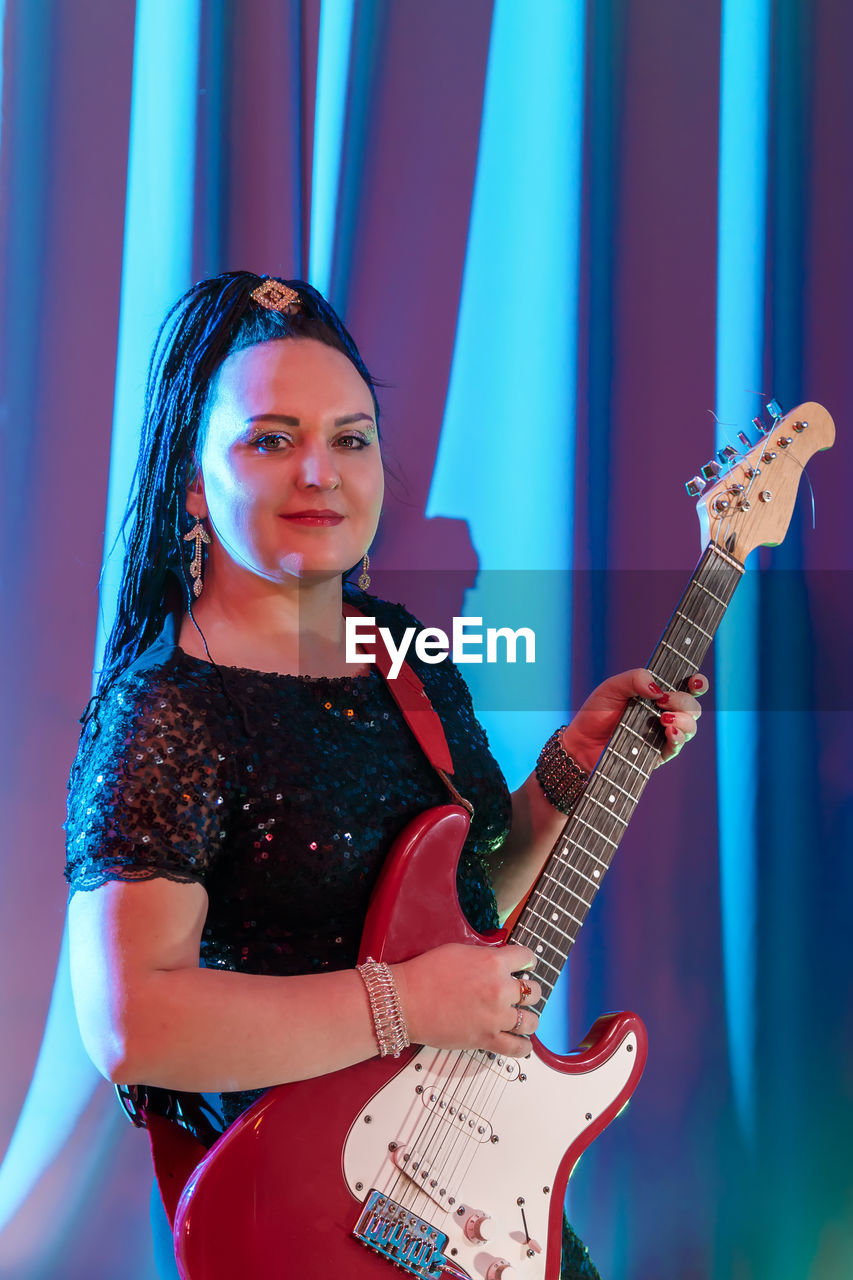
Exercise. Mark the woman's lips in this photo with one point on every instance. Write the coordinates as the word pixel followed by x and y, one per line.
pixel 318 518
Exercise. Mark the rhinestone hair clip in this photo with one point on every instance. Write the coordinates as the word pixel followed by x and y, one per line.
pixel 275 296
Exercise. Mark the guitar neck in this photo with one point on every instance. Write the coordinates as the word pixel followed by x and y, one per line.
pixel 558 905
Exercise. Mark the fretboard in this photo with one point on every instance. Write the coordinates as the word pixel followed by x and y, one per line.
pixel 561 898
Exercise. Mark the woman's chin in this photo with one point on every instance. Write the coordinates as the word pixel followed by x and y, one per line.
pixel 307 572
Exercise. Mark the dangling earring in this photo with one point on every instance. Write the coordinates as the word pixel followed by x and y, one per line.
pixel 364 576
pixel 199 535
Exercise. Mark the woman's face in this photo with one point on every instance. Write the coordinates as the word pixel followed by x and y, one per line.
pixel 291 476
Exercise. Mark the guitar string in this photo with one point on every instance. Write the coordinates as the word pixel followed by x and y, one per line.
pixel 619 809
pixel 482 1095
pixel 676 664
pixel 418 1145
pixel 424 1142
pixel 404 1178
pixel 453 1090
pixel 445 1169
pixel 441 1124
pixel 667 666
pixel 578 871
pixel 579 860
pixel 490 1090
pixel 401 1188
pixel 467 1094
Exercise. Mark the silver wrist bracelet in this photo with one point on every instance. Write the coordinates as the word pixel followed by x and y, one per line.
pixel 561 778
pixel 389 1023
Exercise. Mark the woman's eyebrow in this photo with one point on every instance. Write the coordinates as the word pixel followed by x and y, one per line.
pixel 288 420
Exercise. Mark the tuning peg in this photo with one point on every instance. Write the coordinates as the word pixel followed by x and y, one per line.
pixel 758 423
pixel 711 470
pixel 775 410
pixel 727 455
pixel 695 486
pixel 744 439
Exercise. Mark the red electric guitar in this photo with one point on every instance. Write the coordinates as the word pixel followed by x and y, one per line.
pixel 453 1165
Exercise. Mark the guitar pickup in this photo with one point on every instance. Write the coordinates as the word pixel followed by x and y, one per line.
pixel 457 1117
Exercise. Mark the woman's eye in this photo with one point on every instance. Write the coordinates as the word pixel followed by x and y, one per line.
pixel 271 443
pixel 352 442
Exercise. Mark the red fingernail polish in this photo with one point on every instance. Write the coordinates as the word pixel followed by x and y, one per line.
pixel 653 688
pixel 668 717
pixel 663 699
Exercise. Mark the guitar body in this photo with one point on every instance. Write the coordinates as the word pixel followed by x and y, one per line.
pixel 446 1163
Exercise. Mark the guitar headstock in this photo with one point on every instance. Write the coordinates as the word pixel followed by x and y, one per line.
pixel 747 499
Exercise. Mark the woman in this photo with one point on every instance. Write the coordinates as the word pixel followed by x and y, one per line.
pixel 239 782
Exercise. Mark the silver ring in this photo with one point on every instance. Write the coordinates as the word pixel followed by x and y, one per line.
pixel 518 1018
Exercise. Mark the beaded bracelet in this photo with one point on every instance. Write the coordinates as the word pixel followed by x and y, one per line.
pixel 561 778
pixel 388 1021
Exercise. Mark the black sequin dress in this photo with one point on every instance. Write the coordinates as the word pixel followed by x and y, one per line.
pixel 281 795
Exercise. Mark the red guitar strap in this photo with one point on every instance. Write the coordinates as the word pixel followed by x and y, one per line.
pixel 410 696
pixel 175 1152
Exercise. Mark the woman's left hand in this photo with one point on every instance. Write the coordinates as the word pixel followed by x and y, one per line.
pixel 590 730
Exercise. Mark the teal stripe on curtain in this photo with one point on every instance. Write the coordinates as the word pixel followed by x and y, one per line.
pixel 505 459
pixel 333 58
pixel 740 345
pixel 158 235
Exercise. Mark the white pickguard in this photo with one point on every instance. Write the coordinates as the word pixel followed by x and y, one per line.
pixel 457 1138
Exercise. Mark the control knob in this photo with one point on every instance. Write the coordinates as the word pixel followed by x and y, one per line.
pixel 501 1270
pixel 479 1227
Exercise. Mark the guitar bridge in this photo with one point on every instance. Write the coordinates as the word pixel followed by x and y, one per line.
pixel 402 1237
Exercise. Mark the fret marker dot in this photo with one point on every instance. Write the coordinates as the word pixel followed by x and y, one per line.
pixel 634 751
pixel 539 949
pixel 687 639
pixel 596 874
pixel 555 915
pixel 611 799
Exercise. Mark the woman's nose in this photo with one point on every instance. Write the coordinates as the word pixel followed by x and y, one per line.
pixel 318 469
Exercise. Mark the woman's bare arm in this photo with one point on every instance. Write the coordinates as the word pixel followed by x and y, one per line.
pixel 149 1014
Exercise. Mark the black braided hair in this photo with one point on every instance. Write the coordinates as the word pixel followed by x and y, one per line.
pixel 212 320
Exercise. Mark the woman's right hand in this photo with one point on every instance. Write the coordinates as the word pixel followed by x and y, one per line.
pixel 465 997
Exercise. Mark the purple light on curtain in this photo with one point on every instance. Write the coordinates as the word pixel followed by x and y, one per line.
pixel 2 53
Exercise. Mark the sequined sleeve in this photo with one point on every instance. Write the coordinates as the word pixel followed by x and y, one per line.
pixel 149 787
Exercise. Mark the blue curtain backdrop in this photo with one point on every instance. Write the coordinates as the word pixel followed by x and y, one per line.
pixel 563 234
